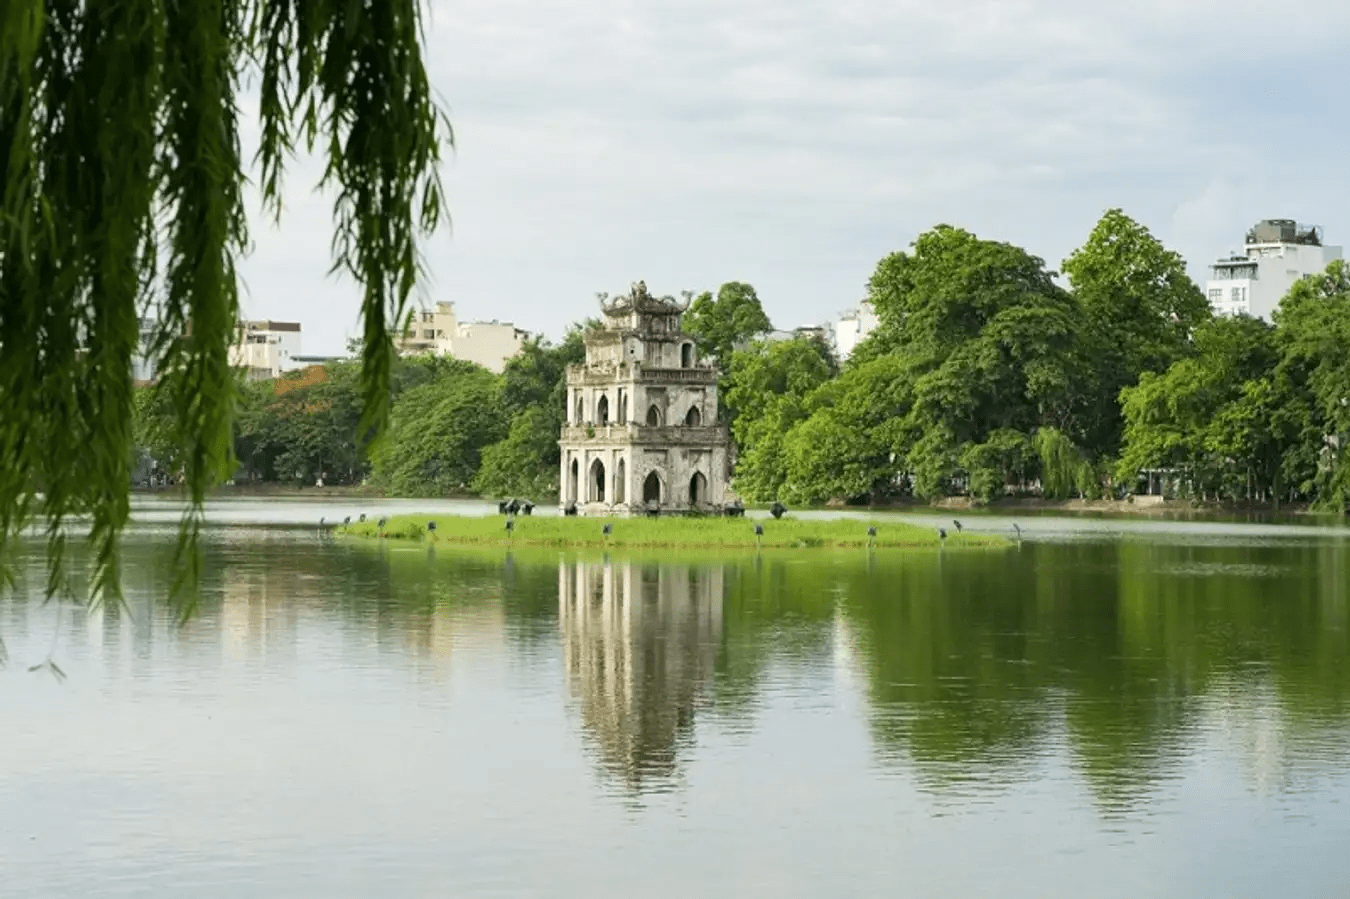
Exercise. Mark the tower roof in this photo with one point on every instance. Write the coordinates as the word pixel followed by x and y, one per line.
pixel 639 300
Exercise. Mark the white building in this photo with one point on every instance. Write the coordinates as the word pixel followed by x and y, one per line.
pixel 143 366
pixel 852 327
pixel 439 331
pixel 1277 254
pixel 489 344
pixel 265 348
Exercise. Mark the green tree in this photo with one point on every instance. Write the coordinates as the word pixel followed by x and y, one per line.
pixel 1005 458
pixel 1314 332
pixel 1185 418
pixel 438 431
pixel 534 397
pixel 518 464
pixel 990 344
pixel 848 447
pixel 122 180
pixel 1141 309
pixel 729 321
pixel 766 392
pixel 302 427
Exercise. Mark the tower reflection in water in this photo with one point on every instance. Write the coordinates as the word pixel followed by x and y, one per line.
pixel 640 642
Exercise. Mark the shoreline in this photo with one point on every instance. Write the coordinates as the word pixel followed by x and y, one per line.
pixel 1134 507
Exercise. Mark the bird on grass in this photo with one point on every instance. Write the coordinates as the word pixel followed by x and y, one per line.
pixel 362 518
pixel 942 533
pixel 871 535
pixel 431 525
pixel 958 525
pixel 607 529
pixel 1017 530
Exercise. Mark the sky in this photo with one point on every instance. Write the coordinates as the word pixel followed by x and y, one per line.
pixel 793 145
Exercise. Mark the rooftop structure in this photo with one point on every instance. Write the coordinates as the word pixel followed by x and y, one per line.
pixel 852 327
pixel 1278 252
pixel 264 348
pixel 439 331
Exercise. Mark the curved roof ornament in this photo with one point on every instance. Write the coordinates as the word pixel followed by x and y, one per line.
pixel 640 300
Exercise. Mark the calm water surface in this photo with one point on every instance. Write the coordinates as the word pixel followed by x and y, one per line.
pixel 1129 709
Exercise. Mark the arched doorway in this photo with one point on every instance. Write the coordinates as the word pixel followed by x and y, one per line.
pixel 623 407
pixel 580 409
pixel 620 481
pixel 694 418
pixel 597 481
pixel 653 416
pixel 651 488
pixel 602 410
pixel 686 355
pixel 698 489
pixel 574 481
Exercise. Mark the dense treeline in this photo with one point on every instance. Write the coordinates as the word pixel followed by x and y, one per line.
pixel 986 377
pixel 455 427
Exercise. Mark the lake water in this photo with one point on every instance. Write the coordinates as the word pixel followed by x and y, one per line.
pixel 1109 709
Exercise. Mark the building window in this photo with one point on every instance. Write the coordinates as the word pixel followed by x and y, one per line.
pixel 1215 294
pixel 1239 294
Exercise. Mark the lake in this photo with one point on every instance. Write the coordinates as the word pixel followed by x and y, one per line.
pixel 1107 709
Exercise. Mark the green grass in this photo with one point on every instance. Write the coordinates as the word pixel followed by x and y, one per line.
pixel 703 533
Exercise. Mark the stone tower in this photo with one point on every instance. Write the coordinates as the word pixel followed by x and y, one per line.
pixel 642 430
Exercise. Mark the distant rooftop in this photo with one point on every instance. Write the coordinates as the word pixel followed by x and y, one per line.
pixel 1285 231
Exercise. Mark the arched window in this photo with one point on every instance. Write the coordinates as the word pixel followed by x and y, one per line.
pixel 579 411
pixel 602 410
pixel 574 481
pixel 620 476
pixel 686 355
pixel 694 418
pixel 653 416
pixel 597 481
pixel 651 489
pixel 698 489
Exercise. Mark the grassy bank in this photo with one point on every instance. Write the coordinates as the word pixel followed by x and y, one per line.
pixel 710 533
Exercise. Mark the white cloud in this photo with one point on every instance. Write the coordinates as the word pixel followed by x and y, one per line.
pixel 792 145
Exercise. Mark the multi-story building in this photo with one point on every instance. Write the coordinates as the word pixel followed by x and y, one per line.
pixel 439 331
pixel 852 327
pixel 642 430
pixel 1278 252
pixel 144 369
pixel 489 344
pixel 264 349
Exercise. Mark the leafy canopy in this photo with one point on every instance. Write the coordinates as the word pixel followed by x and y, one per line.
pixel 731 320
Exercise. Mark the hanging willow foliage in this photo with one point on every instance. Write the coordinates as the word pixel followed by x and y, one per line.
pixel 123 192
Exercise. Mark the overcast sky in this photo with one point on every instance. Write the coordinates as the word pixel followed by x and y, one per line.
pixel 792 145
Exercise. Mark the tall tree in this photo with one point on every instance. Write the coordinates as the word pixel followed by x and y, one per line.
pixel 1314 332
pixel 534 395
pixel 438 432
pixel 767 388
pixel 731 320
pixel 990 344
pixel 121 181
pixel 1141 309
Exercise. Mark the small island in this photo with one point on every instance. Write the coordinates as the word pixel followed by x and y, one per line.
pixel 666 532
